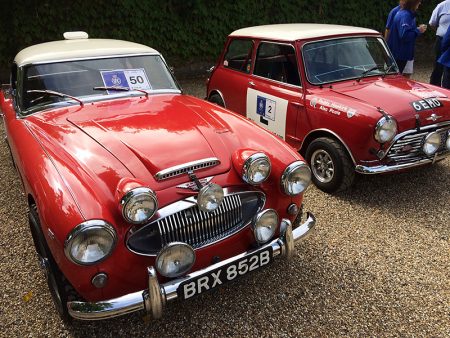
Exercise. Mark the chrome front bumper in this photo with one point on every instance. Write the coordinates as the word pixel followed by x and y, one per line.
pixel 381 169
pixel 154 299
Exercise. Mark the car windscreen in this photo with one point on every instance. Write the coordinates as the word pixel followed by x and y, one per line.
pixel 346 58
pixel 79 78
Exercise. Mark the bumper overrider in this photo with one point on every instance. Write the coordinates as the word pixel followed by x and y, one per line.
pixel 156 296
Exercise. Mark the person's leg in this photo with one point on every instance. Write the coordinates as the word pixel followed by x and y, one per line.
pixel 409 68
pixel 436 75
pixel 401 65
pixel 446 78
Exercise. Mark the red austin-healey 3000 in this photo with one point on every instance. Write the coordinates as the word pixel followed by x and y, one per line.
pixel 139 194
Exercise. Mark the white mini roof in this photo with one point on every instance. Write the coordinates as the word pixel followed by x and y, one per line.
pixel 78 49
pixel 299 31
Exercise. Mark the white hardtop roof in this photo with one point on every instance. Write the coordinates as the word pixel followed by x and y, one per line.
pixel 78 49
pixel 299 31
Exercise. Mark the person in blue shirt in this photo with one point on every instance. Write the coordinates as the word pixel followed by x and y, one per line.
pixel 403 34
pixel 440 20
pixel 444 59
pixel 391 17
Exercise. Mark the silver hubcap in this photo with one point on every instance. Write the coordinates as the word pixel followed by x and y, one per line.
pixel 322 166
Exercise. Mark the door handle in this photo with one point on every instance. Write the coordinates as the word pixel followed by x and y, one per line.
pixel 251 83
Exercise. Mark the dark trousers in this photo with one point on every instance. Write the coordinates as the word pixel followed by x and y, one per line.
pixel 401 65
pixel 436 75
pixel 446 77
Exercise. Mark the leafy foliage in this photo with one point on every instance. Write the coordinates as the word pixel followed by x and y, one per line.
pixel 182 30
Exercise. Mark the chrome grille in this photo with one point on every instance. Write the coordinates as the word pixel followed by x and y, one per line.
pixel 184 168
pixel 183 221
pixel 198 228
pixel 408 148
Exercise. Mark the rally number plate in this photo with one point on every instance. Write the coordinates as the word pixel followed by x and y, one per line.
pixel 226 273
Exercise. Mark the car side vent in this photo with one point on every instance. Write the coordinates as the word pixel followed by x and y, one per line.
pixel 184 168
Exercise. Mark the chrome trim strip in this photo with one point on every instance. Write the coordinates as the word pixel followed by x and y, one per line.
pixel 181 169
pixel 335 135
pixel 154 299
pixel 390 168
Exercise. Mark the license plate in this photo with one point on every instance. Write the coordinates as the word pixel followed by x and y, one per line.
pixel 226 273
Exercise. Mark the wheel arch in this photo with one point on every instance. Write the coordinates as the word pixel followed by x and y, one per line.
pixel 218 92
pixel 314 134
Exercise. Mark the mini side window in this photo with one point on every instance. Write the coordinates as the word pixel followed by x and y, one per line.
pixel 239 55
pixel 277 62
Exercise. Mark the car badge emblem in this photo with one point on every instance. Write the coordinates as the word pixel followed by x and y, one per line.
pixel 351 113
pixel 116 80
pixel 433 117
pixel 193 185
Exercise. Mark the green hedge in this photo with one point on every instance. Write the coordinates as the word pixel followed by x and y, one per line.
pixel 183 31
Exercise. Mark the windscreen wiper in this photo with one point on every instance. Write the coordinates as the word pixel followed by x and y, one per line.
pixel 120 89
pixel 387 70
pixel 48 92
pixel 364 73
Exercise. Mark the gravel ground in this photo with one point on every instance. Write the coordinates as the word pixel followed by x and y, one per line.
pixel 378 265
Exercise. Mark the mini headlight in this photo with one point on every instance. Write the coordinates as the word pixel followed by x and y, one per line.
pixel 139 205
pixel 175 259
pixel 296 178
pixel 90 242
pixel 431 143
pixel 210 197
pixel 447 143
pixel 256 168
pixel 265 225
pixel 386 129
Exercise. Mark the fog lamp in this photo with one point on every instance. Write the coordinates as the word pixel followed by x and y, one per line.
pixel 256 169
pixel 210 197
pixel 175 259
pixel 265 225
pixel 296 178
pixel 139 205
pixel 431 143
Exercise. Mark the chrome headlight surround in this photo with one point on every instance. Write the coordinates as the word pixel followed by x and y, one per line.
pixel 169 261
pixel 291 186
pixel 251 168
pixel 447 143
pixel 90 235
pixel 431 143
pixel 210 197
pixel 136 195
pixel 264 225
pixel 385 129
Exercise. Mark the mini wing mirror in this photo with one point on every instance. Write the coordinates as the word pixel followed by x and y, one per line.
pixel 8 92
pixel 211 69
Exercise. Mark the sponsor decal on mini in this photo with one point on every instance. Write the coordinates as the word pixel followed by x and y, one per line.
pixel 266 107
pixel 425 93
pixel 426 104
pixel 332 107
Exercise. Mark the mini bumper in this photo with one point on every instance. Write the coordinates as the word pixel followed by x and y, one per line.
pixel 381 169
pixel 154 299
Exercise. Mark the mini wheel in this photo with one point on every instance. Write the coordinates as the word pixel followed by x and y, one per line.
pixel 330 164
pixel 217 99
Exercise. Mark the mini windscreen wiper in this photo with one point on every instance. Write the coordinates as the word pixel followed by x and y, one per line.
pixel 48 92
pixel 364 73
pixel 388 69
pixel 120 89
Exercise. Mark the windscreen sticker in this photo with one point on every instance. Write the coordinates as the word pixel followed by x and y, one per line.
pixel 332 107
pixel 425 93
pixel 266 107
pixel 130 78
pixel 425 104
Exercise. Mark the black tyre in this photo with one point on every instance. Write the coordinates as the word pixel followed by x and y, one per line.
pixel 60 289
pixel 217 99
pixel 331 167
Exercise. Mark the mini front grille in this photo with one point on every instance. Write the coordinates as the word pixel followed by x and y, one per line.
pixel 408 148
pixel 184 222
pixel 184 168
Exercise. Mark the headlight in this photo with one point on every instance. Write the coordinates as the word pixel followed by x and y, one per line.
pixel 386 129
pixel 431 143
pixel 175 259
pixel 256 168
pixel 265 225
pixel 296 178
pixel 447 143
pixel 90 242
pixel 139 205
pixel 210 197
